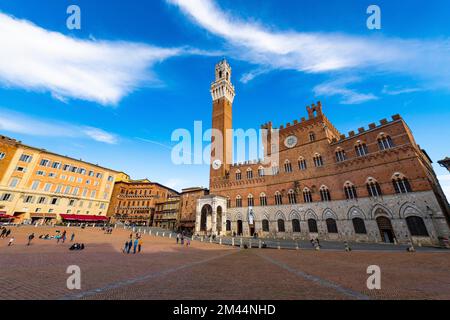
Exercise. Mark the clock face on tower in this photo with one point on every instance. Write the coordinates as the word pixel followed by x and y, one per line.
pixel 216 164
pixel 290 141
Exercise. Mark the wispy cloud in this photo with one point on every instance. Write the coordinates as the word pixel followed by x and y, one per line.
pixel 394 91
pixel 36 59
pixel 340 88
pixel 322 52
pixel 14 122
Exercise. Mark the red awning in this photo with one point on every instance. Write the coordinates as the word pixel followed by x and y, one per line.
pixel 3 215
pixel 85 218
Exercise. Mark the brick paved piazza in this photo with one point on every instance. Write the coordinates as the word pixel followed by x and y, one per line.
pixel 209 271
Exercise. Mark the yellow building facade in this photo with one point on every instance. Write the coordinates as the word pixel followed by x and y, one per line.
pixel 40 186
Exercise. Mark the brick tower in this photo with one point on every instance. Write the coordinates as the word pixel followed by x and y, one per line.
pixel 222 92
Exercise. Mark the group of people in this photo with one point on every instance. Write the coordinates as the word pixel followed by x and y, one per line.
pixel 136 244
pixel 181 240
pixel 108 230
pixel 5 234
pixel 315 243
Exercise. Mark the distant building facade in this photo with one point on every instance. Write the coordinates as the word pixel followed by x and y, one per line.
pixel 134 201
pixel 167 212
pixel 188 207
pixel 373 185
pixel 40 186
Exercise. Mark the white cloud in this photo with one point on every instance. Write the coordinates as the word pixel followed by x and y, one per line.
pixel 100 135
pixel 397 90
pixel 36 59
pixel 322 52
pixel 339 87
pixel 14 122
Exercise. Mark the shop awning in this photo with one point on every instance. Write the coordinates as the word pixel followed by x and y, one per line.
pixel 83 218
pixel 3 215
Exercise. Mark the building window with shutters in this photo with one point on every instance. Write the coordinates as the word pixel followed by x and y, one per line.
pixel 278 198
pixel 350 191
pixel 292 197
pixel 307 197
pixel 325 194
pixel 401 183
pixel 373 188
pixel 302 164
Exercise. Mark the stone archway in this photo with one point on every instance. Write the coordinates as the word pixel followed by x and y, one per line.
pixel 206 218
pixel 386 229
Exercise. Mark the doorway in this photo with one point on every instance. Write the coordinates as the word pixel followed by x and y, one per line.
pixel 239 227
pixel 386 230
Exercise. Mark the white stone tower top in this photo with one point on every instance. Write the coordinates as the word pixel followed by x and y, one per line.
pixel 222 86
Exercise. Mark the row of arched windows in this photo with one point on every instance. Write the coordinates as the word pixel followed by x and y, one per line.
pixel 400 183
pixel 415 225
pixel 384 142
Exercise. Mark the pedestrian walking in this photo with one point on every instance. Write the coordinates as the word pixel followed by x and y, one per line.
pixel 136 241
pixel 182 240
pixel 72 237
pixel 178 238
pixel 30 238
pixel 125 247
pixel 8 232
pixel 188 242
pixel 3 233
pixel 10 243
pixel 140 245
pixel 130 244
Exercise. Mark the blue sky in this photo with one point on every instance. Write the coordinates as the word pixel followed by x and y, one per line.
pixel 113 92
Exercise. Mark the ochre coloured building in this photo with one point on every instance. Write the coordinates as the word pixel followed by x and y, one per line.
pixel 374 185
pixel 39 186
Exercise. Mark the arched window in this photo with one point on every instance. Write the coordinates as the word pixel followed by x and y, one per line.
pixel 228 225
pixel 416 226
pixel 350 191
pixel 325 194
pixel 250 202
pixel 238 175
pixel 228 202
pixel 331 226
pixel 295 225
pixel 278 198
pixel 361 149
pixel 318 161
pixel 373 188
pixel 249 173
pixel 281 225
pixel 292 197
pixel 238 202
pixel 385 142
pixel 261 171
pixel 312 137
pixel 359 225
pixel 340 155
pixel 275 169
pixel 287 166
pixel 401 183
pixel 265 225
pixel 307 197
pixel 262 200
pixel 312 226
pixel 302 164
